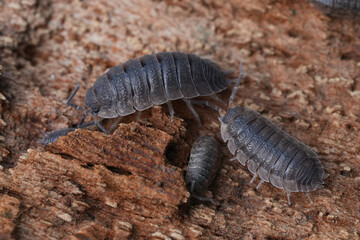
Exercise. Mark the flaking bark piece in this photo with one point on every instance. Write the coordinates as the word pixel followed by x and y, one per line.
pixel 133 151
pixel 118 184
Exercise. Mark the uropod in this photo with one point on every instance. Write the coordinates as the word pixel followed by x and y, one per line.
pixel 268 152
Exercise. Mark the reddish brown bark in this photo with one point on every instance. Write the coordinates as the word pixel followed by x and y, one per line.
pixel 302 72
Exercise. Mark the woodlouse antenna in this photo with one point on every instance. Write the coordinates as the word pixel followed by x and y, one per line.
pixel 54 135
pixel 188 104
pixel 86 112
pixel 232 96
pixel 69 100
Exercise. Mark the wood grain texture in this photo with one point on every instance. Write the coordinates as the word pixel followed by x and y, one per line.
pixel 301 72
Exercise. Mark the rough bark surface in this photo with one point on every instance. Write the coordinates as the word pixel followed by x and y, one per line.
pixel 302 72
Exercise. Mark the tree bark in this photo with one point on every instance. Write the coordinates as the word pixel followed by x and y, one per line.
pixel 301 71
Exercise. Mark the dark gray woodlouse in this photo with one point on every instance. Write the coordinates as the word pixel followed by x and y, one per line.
pixel 204 162
pixel 271 153
pixel 267 151
pixel 138 84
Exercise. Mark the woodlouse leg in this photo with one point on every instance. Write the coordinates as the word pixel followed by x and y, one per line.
pixel 232 159
pixel 238 81
pixel 94 123
pixel 208 104
pixel 138 116
pixel 253 178
pixel 288 194
pixel 193 111
pixel 71 104
pixel 171 110
pixel 83 117
pixel 308 196
pixel 258 186
pixel 115 124
pixel 217 99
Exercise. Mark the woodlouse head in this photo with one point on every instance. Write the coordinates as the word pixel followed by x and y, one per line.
pixel 101 100
pixel 92 102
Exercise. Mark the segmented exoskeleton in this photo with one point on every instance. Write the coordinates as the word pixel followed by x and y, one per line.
pixel 138 84
pixel 204 162
pixel 267 151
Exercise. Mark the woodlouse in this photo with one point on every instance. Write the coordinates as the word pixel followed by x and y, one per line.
pixel 138 84
pixel 204 162
pixel 269 152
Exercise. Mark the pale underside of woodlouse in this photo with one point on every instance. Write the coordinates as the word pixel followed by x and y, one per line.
pixel 267 151
pixel 138 84
pixel 204 162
